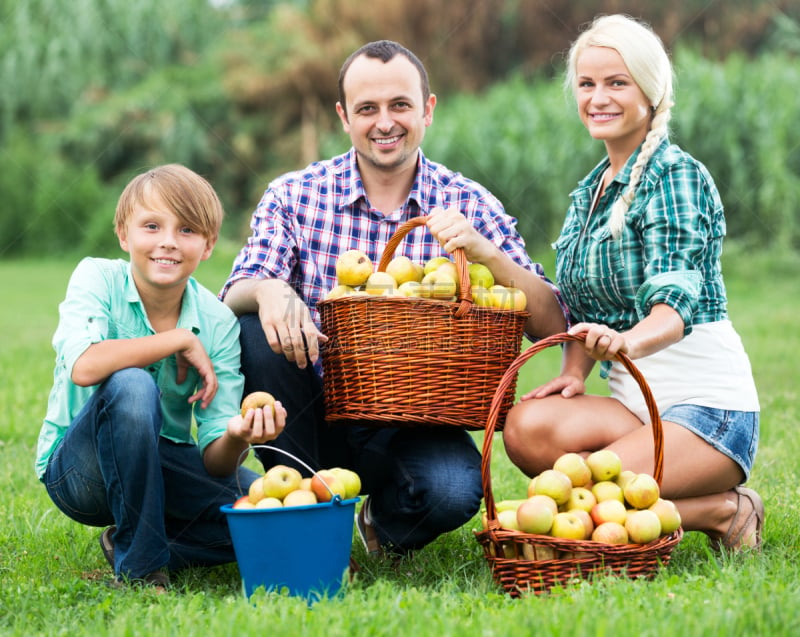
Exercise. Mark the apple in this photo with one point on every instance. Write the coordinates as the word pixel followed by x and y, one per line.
pixel 351 481
pixel 257 400
pixel 581 499
pixel 280 480
pixel 668 515
pixel 256 490
pixel 507 298
pixel 575 467
pixel 641 491
pixel 299 497
pixel 433 264
pixel 410 288
pixel 605 464
pixel 588 523
pixel 532 486
pixel 508 520
pixel 607 490
pixel 402 270
pixel 268 503
pixel 609 511
pixel 624 477
pixel 568 526
pixel 643 526
pixel 353 268
pixel 380 284
pixel 535 515
pixel 338 291
pixel 305 483
pixel 243 503
pixel 480 296
pixel 449 270
pixel 610 533
pixel 538 552
pixel 480 275
pixel 325 484
pixel 438 285
pixel 508 505
pixel 555 484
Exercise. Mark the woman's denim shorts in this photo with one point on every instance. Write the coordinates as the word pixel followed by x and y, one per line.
pixel 734 433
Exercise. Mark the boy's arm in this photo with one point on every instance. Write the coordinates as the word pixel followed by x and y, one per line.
pixel 102 359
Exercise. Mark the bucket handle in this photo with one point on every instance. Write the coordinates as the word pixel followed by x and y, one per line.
pixel 335 497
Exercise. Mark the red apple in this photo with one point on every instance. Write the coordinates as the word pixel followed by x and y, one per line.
pixel 325 484
pixel 243 503
pixel 535 515
pixel 609 511
pixel 610 533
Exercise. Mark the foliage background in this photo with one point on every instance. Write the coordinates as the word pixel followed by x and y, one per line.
pixel 95 91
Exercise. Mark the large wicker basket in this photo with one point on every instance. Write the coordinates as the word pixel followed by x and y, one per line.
pixel 397 361
pixel 527 563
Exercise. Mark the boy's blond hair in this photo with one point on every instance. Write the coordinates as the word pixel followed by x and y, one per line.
pixel 188 195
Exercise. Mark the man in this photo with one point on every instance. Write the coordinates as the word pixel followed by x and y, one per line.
pixel 421 481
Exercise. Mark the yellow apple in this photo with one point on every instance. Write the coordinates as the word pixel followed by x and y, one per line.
pixel 351 481
pixel 480 275
pixel 568 526
pixel 607 490
pixel 438 285
pixel 535 515
pixel 449 270
pixel 508 520
pixel 380 283
pixel 532 486
pixel 299 497
pixel 641 491
pixel 624 477
pixel 588 523
pixel 667 514
pixel 575 467
pixel 581 498
pixel 605 464
pixel 554 484
pixel 609 511
pixel 433 264
pixel 507 298
pixel 610 533
pixel 256 400
pixel 305 483
pixel 410 288
pixel 508 505
pixel 480 296
pixel 280 480
pixel 402 269
pixel 256 490
pixel 268 503
pixel 339 291
pixel 353 268
pixel 643 526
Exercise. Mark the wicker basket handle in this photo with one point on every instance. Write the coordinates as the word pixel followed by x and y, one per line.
pixel 464 292
pixel 511 373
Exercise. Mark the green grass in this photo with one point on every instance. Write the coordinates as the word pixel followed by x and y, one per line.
pixel 51 567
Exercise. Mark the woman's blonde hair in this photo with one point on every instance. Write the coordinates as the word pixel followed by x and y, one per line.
pixel 644 55
pixel 188 195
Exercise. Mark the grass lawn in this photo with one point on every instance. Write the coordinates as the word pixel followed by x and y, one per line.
pixel 51 568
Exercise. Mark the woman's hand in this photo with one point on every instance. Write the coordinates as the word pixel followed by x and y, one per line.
pixel 567 385
pixel 602 343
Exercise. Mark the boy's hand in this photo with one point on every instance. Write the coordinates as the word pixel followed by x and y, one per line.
pixel 259 425
pixel 195 355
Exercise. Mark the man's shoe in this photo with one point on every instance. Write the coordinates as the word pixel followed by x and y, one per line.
pixel 369 538
pixel 107 544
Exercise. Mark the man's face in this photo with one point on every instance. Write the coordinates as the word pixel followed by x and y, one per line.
pixel 385 114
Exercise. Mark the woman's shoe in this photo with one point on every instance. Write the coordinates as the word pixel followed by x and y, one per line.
pixel 747 524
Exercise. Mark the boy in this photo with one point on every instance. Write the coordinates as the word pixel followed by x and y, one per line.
pixel 141 350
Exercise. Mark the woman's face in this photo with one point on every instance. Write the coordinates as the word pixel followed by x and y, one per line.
pixel 611 105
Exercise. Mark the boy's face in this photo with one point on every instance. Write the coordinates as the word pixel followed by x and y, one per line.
pixel 164 252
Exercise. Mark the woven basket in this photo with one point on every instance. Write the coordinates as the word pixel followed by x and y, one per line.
pixel 524 562
pixel 397 361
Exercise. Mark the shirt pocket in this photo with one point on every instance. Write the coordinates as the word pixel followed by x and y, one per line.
pixel 603 256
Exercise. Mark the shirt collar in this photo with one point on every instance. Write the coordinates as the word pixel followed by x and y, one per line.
pixel 189 317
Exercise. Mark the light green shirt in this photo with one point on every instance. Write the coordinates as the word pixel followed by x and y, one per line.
pixel 101 303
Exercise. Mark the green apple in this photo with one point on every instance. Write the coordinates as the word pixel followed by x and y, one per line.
pixel 607 490
pixel 555 484
pixel 410 288
pixel 575 467
pixel 568 526
pixel 610 533
pixel 581 498
pixel 353 268
pixel 605 464
pixel 480 275
pixel 609 511
pixel 380 284
pixel 280 480
pixel 508 520
pixel 643 526
pixel 668 515
pixel 536 514
pixel 641 491
pixel 338 291
pixel 508 505
pixel 433 264
pixel 402 270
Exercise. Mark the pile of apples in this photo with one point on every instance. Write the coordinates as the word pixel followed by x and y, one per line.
pixel 436 279
pixel 284 486
pixel 590 498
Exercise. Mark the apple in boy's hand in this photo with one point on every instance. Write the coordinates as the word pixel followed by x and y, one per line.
pixel 256 400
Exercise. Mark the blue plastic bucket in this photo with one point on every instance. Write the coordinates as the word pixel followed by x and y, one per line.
pixel 303 550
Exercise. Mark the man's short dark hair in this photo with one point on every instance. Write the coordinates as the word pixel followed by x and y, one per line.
pixel 385 50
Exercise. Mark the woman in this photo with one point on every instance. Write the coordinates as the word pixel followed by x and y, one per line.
pixel 638 263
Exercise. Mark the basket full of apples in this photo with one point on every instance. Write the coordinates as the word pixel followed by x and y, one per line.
pixel 583 517
pixel 419 344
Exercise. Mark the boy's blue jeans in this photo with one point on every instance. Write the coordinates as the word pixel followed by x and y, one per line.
pixel 422 481
pixel 112 467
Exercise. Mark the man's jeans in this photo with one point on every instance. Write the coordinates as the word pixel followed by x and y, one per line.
pixel 422 481
pixel 112 467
